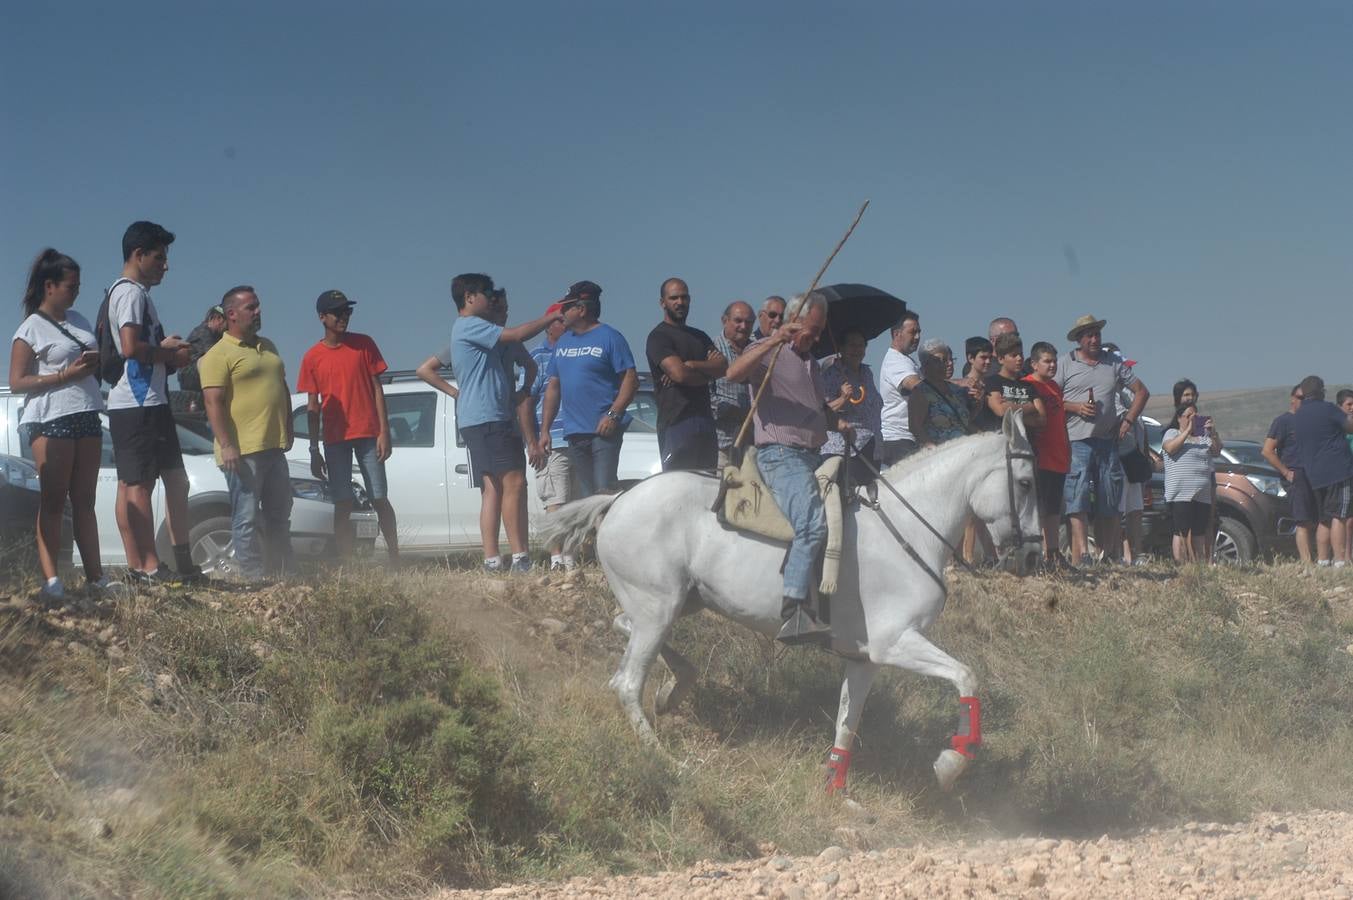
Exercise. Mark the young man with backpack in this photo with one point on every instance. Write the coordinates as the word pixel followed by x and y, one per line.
pixel 135 357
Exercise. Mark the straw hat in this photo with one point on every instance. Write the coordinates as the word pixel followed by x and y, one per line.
pixel 1085 323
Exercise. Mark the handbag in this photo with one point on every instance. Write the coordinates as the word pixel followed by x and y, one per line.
pixel 1136 466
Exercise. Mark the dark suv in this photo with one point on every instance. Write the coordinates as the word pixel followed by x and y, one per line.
pixel 1254 514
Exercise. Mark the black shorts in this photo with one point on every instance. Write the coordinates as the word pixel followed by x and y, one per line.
pixel 72 427
pixel 145 443
pixel 1304 508
pixel 1051 486
pixel 494 448
pixel 1190 517
pixel 1335 500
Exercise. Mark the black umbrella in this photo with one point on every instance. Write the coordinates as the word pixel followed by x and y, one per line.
pixel 856 307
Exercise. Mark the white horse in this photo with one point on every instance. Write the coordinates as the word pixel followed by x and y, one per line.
pixel 665 554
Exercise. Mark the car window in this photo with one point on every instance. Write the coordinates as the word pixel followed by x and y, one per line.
pixel 644 409
pixel 300 422
pixel 413 419
pixel 1246 453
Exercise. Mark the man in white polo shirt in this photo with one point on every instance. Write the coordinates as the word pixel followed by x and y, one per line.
pixel 897 377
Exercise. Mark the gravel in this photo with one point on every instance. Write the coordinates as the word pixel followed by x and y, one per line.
pixel 1307 855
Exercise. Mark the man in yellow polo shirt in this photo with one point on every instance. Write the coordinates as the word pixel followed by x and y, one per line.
pixel 244 386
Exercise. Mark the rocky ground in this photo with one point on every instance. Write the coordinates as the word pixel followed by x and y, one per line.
pixel 1309 855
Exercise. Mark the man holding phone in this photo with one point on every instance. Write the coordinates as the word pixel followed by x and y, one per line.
pixel 145 436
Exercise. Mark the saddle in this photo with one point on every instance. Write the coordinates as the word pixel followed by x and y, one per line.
pixel 747 505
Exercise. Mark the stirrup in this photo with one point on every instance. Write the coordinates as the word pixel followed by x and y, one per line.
pixel 801 628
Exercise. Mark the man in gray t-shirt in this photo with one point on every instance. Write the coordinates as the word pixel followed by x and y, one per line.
pixel 1091 382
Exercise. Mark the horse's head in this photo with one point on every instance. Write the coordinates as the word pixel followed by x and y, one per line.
pixel 1007 501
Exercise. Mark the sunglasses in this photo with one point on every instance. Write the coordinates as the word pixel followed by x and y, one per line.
pixel 344 313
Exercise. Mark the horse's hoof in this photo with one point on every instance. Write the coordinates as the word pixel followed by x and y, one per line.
pixel 948 767
pixel 662 704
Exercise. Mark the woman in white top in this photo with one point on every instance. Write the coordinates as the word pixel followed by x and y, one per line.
pixel 1188 445
pixel 52 360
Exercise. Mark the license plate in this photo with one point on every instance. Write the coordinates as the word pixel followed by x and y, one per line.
pixel 366 529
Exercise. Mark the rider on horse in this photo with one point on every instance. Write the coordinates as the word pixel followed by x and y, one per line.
pixel 790 427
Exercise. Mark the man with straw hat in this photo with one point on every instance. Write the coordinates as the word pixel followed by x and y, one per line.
pixel 1091 382
pixel 790 427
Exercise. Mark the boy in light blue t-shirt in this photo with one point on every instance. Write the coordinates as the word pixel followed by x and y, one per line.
pixel 485 412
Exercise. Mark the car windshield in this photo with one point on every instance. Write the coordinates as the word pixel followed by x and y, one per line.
pixel 1246 453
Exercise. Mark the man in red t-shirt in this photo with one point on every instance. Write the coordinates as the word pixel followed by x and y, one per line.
pixel 342 376
pixel 1052 449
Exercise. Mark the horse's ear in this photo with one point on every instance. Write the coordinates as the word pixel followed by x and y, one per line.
pixel 1012 423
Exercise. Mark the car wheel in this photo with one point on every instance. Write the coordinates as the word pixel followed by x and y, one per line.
pixel 212 546
pixel 1235 542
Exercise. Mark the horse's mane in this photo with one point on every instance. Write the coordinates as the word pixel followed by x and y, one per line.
pixel 903 467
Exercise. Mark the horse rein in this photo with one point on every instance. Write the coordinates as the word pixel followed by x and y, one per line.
pixel 911 551
pixel 1010 456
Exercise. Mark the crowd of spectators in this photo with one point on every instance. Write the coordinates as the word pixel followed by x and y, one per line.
pixel 563 409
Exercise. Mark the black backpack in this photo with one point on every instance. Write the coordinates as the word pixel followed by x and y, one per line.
pixel 111 362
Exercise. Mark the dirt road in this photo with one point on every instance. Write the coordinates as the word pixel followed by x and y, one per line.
pixel 1308 855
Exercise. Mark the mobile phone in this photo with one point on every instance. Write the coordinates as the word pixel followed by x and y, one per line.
pixel 1200 424
pixel 89 356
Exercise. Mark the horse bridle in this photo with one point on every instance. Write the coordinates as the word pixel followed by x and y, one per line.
pixel 1011 454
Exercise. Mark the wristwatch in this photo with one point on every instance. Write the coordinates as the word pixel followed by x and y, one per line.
pixel 612 414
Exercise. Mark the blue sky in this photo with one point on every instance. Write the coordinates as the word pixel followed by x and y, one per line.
pixel 1182 169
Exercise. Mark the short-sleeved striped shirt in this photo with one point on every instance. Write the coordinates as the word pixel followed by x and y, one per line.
pixel 1188 472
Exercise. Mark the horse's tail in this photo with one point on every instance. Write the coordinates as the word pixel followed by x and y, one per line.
pixel 572 523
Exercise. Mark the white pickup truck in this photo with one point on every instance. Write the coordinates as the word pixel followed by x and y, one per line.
pixel 428 470
pixel 208 501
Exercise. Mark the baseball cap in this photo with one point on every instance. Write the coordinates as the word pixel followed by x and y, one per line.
pixel 581 289
pixel 332 300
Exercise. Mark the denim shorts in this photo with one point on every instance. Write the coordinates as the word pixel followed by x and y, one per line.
pixel 1096 477
pixel 338 457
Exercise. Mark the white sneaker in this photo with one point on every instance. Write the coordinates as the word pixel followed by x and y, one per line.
pixel 105 589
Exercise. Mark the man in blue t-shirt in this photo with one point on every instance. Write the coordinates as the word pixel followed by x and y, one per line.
pixel 1283 453
pixel 1321 429
pixel 484 415
pixel 591 383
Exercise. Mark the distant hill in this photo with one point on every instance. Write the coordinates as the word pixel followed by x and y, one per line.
pixel 1238 414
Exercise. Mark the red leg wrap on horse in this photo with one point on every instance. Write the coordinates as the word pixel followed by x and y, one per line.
pixel 969 735
pixel 838 761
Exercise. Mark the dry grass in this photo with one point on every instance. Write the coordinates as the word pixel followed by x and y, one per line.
pixel 381 734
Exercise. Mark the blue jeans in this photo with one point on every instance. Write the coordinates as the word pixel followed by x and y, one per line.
pixel 338 460
pixel 1096 479
pixel 596 461
pixel 788 472
pixel 262 480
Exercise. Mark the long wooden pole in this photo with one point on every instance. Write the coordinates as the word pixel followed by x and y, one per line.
pixel 770 367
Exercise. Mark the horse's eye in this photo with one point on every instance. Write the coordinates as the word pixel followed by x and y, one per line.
pixel 1025 484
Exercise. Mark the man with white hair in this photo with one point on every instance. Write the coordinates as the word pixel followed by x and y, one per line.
pixel 790 428
pixel 771 315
